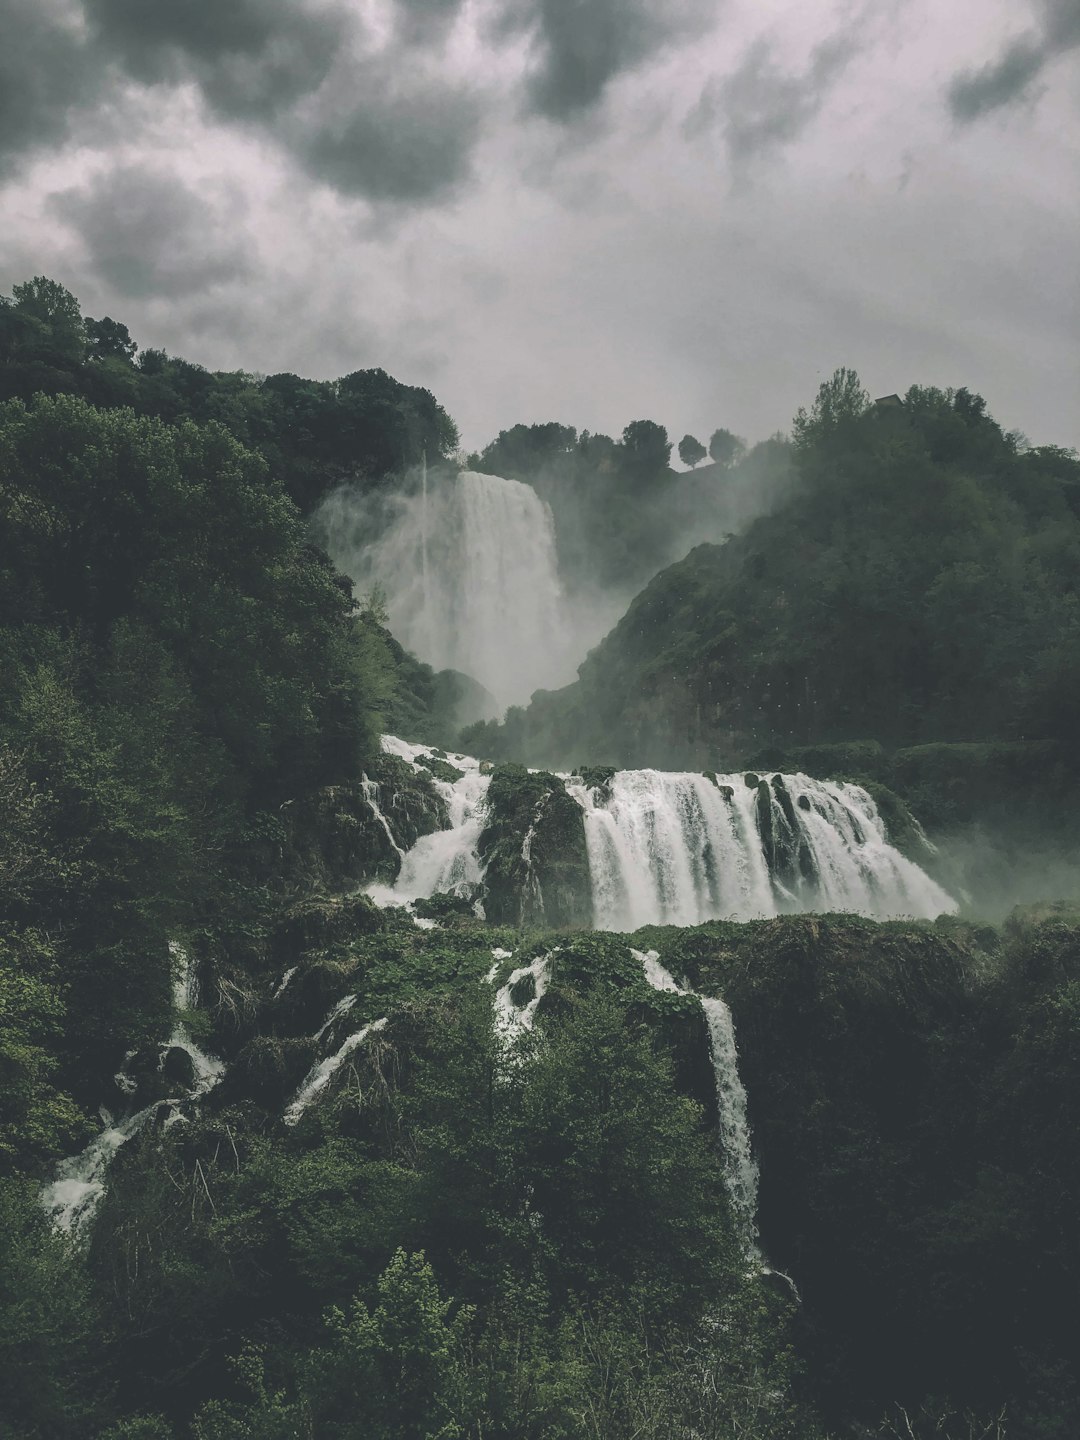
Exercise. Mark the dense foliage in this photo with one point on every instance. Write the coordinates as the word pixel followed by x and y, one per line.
pixel 399 1213
pixel 313 434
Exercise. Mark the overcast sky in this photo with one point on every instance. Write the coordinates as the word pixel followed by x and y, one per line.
pixel 590 211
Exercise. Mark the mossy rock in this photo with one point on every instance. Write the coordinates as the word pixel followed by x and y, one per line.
pixel 902 830
pixel 310 996
pixel 177 1069
pixel 751 780
pixel 596 777
pixel 537 865
pixel 323 923
pixel 440 767
pixel 523 990
pixel 447 905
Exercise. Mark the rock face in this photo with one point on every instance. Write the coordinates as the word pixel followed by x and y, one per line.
pixel 534 847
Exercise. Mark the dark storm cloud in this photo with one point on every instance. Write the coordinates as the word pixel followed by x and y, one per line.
pixel 409 140
pixel 422 22
pixel 373 125
pixel 580 46
pixel 250 58
pixel 760 106
pixel 147 234
pixel 44 77
pixel 1012 76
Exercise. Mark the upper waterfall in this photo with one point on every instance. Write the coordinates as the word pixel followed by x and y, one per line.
pixel 469 570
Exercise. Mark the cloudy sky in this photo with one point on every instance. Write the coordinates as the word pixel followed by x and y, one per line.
pixel 589 211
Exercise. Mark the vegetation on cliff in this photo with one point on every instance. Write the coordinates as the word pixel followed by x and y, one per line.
pixel 920 586
pixel 401 1211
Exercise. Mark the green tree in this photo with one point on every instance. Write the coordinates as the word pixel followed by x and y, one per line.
pixel 57 330
pixel 646 450
pixel 725 448
pixel 691 451
pixel 108 339
pixel 840 400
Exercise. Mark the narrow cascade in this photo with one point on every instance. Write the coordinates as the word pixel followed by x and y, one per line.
pixel 469 570
pixel 678 849
pixel 371 795
pixel 446 859
pixel 74 1195
pixel 532 896
pixel 208 1069
pixel 284 981
pixel 740 1167
pixel 511 1019
pixel 320 1075
pixel 76 1192
pixel 343 1006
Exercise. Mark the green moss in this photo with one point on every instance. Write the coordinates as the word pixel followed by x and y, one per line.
pixel 534 849
pixel 595 777
pixel 440 767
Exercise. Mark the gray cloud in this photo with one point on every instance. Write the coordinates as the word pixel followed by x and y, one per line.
pixel 422 22
pixel 1012 76
pixel 147 234
pixel 382 126
pixel 760 107
pixel 580 46
pixel 250 58
pixel 409 140
pixel 44 77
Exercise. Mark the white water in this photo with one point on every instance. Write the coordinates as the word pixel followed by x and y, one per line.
pixel 208 1069
pixel 79 1186
pixel 511 1020
pixel 343 1006
pixel 446 860
pixel 74 1195
pixel 283 982
pixel 740 1167
pixel 672 849
pixel 469 571
pixel 320 1075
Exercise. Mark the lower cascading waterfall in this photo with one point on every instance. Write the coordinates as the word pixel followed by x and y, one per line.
pixel 75 1194
pixel 740 1167
pixel 678 849
pixel 512 1019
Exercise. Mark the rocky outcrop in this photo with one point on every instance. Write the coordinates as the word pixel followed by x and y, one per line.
pixel 534 849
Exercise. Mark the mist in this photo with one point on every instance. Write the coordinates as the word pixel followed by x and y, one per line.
pixel 991 872
pixel 513 580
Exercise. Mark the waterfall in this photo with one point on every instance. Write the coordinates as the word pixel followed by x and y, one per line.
pixel 678 849
pixel 666 848
pixel 740 1167
pixel 74 1195
pixel 370 790
pixel 446 859
pixel 468 567
pixel 512 1019
pixel 320 1074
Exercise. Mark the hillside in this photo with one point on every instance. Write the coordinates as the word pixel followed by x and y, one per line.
pixel 918 589
pixel 277 1160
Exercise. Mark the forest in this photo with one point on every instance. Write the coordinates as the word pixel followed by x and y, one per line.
pixel 462 1167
